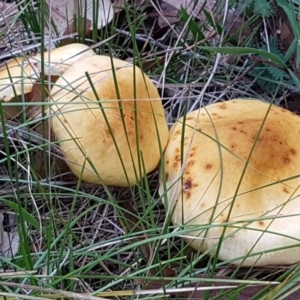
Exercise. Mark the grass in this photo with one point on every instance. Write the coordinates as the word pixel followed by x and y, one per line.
pixel 79 240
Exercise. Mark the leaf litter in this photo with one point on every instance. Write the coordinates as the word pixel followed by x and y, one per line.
pixel 102 224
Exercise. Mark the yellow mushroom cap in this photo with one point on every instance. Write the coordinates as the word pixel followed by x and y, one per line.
pixel 79 124
pixel 17 76
pixel 58 60
pixel 265 211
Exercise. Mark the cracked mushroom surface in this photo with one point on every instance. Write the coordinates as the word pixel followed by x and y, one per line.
pixel 105 140
pixel 215 181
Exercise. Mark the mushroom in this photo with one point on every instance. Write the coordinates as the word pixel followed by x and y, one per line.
pixel 20 84
pixel 58 60
pixel 17 77
pixel 20 76
pixel 216 185
pixel 104 138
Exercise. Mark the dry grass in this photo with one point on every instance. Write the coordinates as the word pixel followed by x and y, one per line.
pixel 95 239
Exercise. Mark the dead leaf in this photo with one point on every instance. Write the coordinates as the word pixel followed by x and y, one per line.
pixel 11 27
pixel 169 15
pixel 63 11
pixel 137 4
pixel 170 11
pixel 192 9
pixel 119 5
pixel 190 6
pixel 9 241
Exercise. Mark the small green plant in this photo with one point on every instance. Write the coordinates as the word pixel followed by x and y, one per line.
pixel 263 8
pixel 268 76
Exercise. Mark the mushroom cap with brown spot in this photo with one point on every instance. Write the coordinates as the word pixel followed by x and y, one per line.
pixel 263 195
pixel 91 131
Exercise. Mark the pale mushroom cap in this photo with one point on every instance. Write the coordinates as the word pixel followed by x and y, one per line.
pixel 22 72
pixel 78 116
pixel 212 171
pixel 17 77
pixel 58 60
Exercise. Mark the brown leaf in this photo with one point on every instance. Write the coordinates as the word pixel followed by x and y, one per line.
pixel 168 15
pixel 120 4
pixel 63 11
pixel 196 10
pixel 171 8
